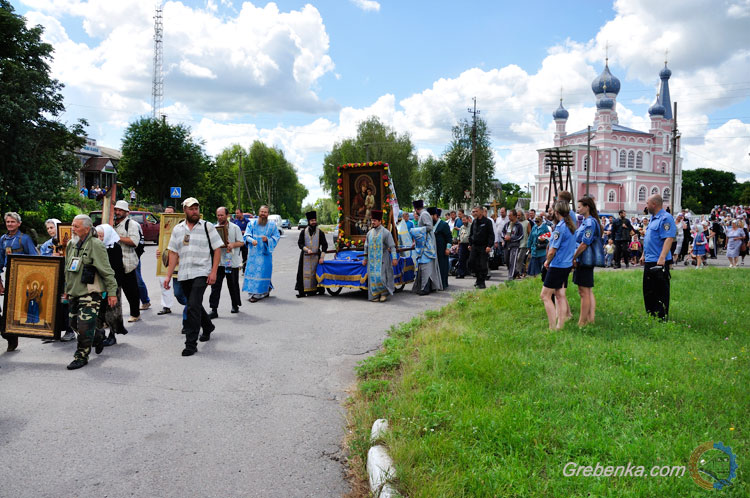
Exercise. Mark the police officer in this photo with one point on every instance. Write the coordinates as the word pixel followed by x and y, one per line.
pixel 657 254
pixel 87 276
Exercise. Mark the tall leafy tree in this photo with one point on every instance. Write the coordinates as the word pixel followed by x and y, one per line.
pixel 431 173
pixel 35 159
pixel 157 155
pixel 457 158
pixel 704 188
pixel 376 142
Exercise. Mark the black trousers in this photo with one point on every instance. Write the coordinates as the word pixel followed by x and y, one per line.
pixel 463 258
pixel 196 314
pixel 478 262
pixel 622 251
pixel 233 284
pixel 130 289
pixel 656 290
pixel 243 251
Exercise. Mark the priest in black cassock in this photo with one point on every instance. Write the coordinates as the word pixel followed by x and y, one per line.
pixel 313 245
pixel 443 239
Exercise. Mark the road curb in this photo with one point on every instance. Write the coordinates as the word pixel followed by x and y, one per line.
pixel 379 464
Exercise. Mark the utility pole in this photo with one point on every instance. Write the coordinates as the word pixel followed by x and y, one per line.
pixel 157 85
pixel 588 159
pixel 239 184
pixel 474 113
pixel 674 157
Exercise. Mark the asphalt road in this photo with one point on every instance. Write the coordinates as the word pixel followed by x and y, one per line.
pixel 257 412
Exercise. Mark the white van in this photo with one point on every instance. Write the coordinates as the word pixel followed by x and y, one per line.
pixel 276 218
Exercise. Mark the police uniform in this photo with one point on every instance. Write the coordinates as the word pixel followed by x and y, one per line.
pixel 656 280
pixel 564 243
pixel 583 276
pixel 88 275
pixel 20 243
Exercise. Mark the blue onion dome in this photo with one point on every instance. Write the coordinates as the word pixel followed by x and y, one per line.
pixel 605 103
pixel 665 73
pixel 605 80
pixel 657 109
pixel 561 112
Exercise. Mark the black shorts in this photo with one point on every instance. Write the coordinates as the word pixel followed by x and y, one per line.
pixel 556 278
pixel 583 276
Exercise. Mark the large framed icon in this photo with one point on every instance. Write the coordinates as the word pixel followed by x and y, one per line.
pixel 64 234
pixel 32 296
pixel 167 224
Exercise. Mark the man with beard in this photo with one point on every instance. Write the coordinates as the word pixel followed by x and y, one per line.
pixel 622 230
pixel 194 244
pixel 261 237
pixel 231 260
pixel 313 246
pixel 443 239
pixel 428 272
pixel 130 237
pixel 380 259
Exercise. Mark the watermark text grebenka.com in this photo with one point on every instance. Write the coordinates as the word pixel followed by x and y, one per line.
pixel 572 469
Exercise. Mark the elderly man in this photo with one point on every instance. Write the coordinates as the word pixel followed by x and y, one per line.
pixel 428 272
pixel 513 235
pixel 380 259
pixel 481 239
pixel 130 236
pixel 313 246
pixel 196 245
pixel 231 261
pixel 88 275
pixel 261 237
pixel 13 242
pixel 657 256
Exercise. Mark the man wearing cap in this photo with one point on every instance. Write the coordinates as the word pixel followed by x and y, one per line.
pixel 313 246
pixel 197 246
pixel 231 261
pixel 380 259
pixel 657 256
pixel 130 236
pixel 428 273
pixel 443 240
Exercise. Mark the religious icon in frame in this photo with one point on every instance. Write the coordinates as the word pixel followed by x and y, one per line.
pixel 363 192
pixel 167 224
pixel 32 296
pixel 64 235
pixel 223 232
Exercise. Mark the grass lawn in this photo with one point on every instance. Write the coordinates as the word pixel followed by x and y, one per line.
pixel 483 400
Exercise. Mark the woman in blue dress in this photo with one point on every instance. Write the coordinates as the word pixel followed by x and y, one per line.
pixel 699 245
pixel 558 263
pixel 583 276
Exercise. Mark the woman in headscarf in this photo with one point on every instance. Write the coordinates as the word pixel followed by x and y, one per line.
pixel 112 316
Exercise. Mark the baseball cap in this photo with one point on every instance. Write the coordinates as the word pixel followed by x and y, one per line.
pixel 190 201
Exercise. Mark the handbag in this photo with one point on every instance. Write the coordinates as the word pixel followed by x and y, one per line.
pixel 594 254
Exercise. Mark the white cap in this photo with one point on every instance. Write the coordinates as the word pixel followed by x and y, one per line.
pixel 122 205
pixel 190 201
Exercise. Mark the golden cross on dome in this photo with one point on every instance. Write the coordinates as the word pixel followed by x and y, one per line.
pixel 606 53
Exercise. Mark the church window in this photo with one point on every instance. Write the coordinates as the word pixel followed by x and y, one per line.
pixel 663 167
pixel 586 163
pixel 611 196
pixel 667 194
pixel 631 159
pixel 623 157
pixel 642 194
pixel 654 190
pixel 639 160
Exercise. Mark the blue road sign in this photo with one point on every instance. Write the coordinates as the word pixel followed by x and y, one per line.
pixel 175 192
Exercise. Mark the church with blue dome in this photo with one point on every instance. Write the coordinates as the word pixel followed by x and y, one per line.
pixel 627 165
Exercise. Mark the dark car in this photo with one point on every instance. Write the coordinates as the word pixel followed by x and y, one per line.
pixel 149 223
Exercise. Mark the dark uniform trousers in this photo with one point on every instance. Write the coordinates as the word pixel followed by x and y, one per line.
pixel 622 252
pixel 656 290
pixel 130 289
pixel 83 312
pixel 233 284
pixel 196 314
pixel 478 262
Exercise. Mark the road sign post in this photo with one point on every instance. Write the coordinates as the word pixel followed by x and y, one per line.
pixel 175 193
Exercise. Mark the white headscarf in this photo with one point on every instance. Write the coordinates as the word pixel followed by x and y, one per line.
pixel 110 236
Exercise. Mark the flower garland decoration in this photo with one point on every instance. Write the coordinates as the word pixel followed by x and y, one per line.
pixel 350 244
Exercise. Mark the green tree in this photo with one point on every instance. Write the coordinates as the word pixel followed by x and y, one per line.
pixel 431 172
pixel 704 188
pixel 157 155
pixel 743 193
pixel 511 193
pixel 35 148
pixel 457 172
pixel 375 142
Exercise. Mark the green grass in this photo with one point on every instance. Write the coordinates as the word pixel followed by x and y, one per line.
pixel 483 400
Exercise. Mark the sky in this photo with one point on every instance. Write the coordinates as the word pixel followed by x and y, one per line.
pixel 300 76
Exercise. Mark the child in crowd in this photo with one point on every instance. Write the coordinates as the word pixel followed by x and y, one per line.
pixel 609 253
pixel 635 250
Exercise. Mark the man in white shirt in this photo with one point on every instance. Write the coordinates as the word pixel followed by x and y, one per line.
pixel 130 236
pixel 231 261
pixel 194 244
pixel 500 223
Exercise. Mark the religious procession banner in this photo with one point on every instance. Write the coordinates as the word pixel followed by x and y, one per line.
pixel 32 307
pixel 347 271
pixel 167 224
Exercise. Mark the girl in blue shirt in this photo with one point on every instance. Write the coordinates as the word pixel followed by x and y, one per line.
pixel 583 276
pixel 558 263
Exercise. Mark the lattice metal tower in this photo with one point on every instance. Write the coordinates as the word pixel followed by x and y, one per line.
pixel 157 88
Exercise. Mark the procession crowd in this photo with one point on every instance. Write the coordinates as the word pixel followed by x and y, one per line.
pixel 102 264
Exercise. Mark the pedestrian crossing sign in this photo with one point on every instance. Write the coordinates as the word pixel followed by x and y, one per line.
pixel 175 192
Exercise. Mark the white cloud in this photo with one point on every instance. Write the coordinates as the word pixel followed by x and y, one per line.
pixel 725 148
pixel 367 5
pixel 190 69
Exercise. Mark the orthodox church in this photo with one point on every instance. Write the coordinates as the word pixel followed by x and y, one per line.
pixel 627 165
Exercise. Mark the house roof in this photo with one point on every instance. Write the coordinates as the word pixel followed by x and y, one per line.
pixel 111 153
pixel 103 164
pixel 615 127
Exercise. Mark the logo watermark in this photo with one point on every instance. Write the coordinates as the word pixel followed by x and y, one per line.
pixel 572 469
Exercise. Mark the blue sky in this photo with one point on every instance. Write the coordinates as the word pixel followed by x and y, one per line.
pixel 301 75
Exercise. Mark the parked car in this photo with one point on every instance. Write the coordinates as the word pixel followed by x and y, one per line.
pixel 286 224
pixel 276 218
pixel 149 223
pixel 302 224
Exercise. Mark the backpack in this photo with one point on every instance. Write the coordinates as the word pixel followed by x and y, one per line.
pixel 141 247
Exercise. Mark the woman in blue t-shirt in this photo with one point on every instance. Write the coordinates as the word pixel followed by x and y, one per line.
pixel 583 276
pixel 558 263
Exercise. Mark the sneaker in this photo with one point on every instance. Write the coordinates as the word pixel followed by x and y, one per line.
pixel 188 352
pixel 145 306
pixel 69 336
pixel 77 362
pixel 133 319
pixel 164 311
